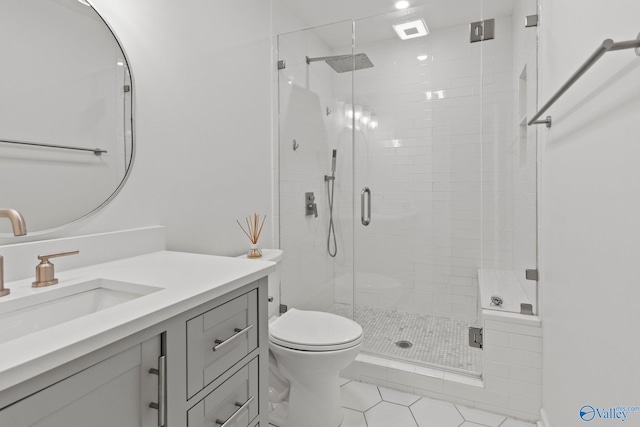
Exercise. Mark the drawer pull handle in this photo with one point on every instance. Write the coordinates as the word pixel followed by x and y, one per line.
pixel 232 418
pixel 239 332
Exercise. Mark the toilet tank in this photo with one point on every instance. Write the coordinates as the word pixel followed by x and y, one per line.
pixel 274 255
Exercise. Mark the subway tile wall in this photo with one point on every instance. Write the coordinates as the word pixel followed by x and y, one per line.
pixel 445 166
pixel 513 362
pixel 439 167
pixel 425 230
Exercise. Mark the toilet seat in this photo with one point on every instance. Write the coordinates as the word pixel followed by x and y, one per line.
pixel 314 331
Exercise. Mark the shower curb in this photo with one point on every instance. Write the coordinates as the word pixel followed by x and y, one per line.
pixel 510 384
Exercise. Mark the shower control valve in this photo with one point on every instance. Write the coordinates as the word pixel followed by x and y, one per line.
pixel 310 204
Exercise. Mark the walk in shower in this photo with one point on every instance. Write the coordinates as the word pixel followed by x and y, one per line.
pixel 422 169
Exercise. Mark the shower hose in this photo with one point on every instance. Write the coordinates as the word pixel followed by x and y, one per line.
pixel 332 231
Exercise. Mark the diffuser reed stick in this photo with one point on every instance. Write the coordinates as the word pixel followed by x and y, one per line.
pixel 253 231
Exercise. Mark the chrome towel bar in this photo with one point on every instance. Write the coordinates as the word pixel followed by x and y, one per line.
pixel 607 46
pixel 96 151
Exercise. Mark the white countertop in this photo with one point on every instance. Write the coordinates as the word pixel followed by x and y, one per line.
pixel 187 280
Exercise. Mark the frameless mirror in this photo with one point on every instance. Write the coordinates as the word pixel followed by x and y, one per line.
pixel 66 125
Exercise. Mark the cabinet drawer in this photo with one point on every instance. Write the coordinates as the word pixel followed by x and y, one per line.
pixel 219 338
pixel 237 397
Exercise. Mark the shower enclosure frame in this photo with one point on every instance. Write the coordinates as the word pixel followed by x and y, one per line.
pixel 486 192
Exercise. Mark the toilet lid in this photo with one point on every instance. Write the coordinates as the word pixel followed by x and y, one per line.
pixel 314 331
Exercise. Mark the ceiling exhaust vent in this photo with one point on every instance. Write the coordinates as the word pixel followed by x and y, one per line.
pixel 411 29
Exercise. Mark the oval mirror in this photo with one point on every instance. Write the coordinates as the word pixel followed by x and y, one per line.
pixel 66 112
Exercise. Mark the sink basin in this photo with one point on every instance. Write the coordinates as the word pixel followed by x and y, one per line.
pixel 33 313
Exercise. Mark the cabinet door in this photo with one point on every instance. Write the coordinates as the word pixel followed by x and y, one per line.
pixel 114 392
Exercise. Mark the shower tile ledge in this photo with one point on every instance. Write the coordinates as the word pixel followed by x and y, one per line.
pixel 514 318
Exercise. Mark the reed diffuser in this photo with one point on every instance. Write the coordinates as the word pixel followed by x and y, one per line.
pixel 253 233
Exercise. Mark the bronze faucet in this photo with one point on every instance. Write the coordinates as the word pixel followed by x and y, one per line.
pixel 45 275
pixel 17 221
pixel 19 229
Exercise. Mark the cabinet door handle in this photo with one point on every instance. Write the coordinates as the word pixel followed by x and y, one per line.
pixel 232 418
pixel 239 332
pixel 161 372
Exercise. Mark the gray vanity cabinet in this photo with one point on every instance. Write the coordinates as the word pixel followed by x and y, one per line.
pixel 226 356
pixel 215 367
pixel 114 392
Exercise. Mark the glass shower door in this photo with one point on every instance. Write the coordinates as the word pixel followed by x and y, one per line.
pixel 417 186
pixel 414 156
pixel 315 168
pixel 510 162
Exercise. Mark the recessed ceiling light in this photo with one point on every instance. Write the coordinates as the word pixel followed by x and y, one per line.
pixel 422 57
pixel 402 4
pixel 411 30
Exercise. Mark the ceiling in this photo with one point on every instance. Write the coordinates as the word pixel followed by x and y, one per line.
pixel 436 13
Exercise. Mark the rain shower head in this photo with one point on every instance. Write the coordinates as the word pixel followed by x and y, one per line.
pixel 345 63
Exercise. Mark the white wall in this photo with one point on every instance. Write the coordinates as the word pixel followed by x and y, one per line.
pixel 590 235
pixel 202 73
pixel 439 166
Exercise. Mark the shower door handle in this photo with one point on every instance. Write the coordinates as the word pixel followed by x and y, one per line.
pixel 365 192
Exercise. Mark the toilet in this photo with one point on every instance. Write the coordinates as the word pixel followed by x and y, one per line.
pixel 308 349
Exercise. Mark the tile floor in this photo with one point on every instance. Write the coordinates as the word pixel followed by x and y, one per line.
pixel 435 340
pixel 367 405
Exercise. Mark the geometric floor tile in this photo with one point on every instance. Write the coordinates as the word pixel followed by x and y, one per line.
pixel 516 423
pixel 481 417
pixel 359 396
pixel 390 408
pixel 367 405
pixel 343 381
pixel 353 418
pixel 436 413
pixel 387 414
pixel 399 397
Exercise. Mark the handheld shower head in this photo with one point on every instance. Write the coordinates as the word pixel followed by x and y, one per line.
pixel 328 178
pixel 333 162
